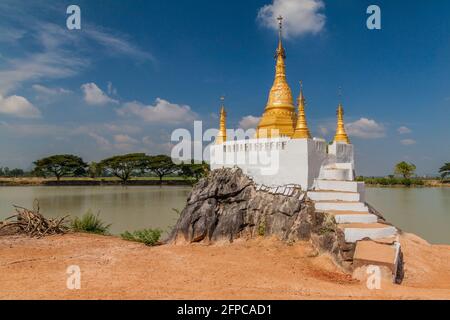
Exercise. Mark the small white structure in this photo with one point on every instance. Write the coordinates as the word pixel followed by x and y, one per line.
pixel 283 161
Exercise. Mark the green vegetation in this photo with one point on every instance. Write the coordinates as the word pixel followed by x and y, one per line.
pixel 90 223
pixel 392 181
pixel 193 172
pixel 161 166
pixel 94 170
pixel 262 228
pixel 123 166
pixel 138 166
pixel 11 173
pixel 60 165
pixel 406 170
pixel 149 237
pixel 445 171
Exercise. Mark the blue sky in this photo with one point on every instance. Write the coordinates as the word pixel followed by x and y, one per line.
pixel 137 70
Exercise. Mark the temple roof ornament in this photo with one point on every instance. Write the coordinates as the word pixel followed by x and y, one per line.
pixel 222 135
pixel 279 116
pixel 301 129
pixel 341 134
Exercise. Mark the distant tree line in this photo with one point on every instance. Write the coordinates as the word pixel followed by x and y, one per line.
pixel 11 173
pixel 404 174
pixel 123 167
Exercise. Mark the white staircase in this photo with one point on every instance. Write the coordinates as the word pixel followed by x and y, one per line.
pixel 376 241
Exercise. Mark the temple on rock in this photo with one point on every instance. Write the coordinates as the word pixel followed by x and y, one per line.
pixel 282 151
pixel 282 157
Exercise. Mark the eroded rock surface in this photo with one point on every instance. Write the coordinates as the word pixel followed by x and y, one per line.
pixel 227 206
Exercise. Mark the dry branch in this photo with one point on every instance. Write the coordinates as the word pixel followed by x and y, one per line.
pixel 32 223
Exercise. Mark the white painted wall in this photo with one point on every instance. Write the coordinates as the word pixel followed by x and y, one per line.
pixel 283 161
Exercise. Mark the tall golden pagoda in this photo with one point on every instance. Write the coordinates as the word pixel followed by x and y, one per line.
pixel 222 135
pixel 279 116
pixel 341 135
pixel 301 128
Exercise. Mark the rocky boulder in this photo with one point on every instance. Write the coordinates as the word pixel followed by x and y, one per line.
pixel 226 206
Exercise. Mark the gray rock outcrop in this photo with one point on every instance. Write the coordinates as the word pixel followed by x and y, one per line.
pixel 226 206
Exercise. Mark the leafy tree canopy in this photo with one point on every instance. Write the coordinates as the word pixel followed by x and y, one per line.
pixel 445 171
pixel 60 165
pixel 161 165
pixel 405 169
pixel 194 170
pixel 123 166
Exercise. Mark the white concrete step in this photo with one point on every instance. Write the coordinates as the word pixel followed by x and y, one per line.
pixel 353 217
pixel 337 185
pixel 331 195
pixel 357 231
pixel 369 253
pixel 340 206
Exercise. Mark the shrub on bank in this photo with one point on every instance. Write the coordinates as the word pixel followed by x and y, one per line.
pixel 90 223
pixel 149 237
pixel 391 181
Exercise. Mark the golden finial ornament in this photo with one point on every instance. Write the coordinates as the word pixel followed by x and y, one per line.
pixel 279 115
pixel 301 129
pixel 341 134
pixel 222 135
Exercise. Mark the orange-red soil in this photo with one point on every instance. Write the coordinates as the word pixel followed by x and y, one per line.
pixel 112 268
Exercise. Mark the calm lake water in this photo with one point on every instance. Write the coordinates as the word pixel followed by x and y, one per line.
pixel 424 211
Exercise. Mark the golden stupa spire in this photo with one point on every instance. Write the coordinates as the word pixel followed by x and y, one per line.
pixel 341 134
pixel 279 116
pixel 222 135
pixel 301 129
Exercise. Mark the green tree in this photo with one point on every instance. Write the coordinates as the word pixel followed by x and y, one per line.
pixel 445 171
pixel 94 170
pixel 60 165
pixel 194 171
pixel 161 165
pixel 123 166
pixel 16 172
pixel 406 170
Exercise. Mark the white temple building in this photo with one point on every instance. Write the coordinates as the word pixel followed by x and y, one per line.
pixel 282 155
pixel 282 152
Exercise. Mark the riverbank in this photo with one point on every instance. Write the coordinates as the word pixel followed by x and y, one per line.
pixel 169 181
pixel 147 181
pixel 112 268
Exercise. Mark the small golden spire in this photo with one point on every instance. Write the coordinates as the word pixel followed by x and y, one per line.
pixel 279 115
pixel 301 129
pixel 341 135
pixel 222 135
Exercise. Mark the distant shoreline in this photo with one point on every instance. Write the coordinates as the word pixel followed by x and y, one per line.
pixel 150 181
pixel 17 182
pixel 427 184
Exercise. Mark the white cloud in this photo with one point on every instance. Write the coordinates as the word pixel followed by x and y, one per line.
pixel 93 95
pixel 249 122
pixel 161 112
pixel 407 142
pixel 59 54
pixel 403 130
pixel 101 141
pixel 49 91
pixel 19 107
pixel 117 44
pixel 123 138
pixel 366 129
pixel 300 16
pixel 157 145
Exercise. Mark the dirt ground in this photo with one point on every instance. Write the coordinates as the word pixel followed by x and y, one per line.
pixel 258 269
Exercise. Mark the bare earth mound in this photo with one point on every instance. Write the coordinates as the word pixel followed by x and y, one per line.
pixel 257 269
